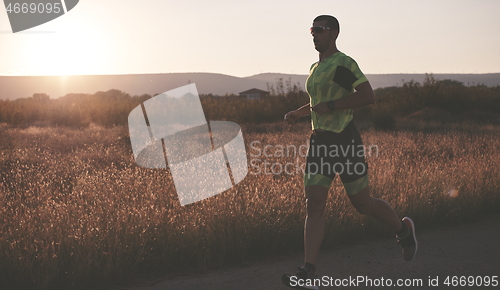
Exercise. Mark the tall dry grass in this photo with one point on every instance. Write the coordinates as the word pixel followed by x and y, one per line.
pixel 76 211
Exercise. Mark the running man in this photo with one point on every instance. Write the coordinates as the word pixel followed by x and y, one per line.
pixel 330 85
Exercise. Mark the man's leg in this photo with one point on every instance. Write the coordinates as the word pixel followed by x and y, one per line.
pixel 314 229
pixel 377 208
pixel 381 210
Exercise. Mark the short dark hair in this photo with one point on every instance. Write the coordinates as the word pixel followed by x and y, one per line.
pixel 331 21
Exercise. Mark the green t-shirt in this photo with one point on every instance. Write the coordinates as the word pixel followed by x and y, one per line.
pixel 332 79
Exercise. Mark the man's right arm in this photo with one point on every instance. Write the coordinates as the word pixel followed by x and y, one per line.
pixel 294 116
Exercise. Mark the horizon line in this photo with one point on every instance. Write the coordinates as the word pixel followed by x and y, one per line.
pixel 164 73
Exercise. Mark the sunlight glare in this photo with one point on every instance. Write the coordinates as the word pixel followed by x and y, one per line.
pixel 65 53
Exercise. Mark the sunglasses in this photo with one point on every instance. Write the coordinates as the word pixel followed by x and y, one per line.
pixel 318 29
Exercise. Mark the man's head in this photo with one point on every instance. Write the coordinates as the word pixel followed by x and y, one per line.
pixel 331 21
pixel 325 31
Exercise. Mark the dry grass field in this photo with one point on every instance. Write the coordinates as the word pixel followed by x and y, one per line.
pixel 75 210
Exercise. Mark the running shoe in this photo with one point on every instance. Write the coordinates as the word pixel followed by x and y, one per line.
pixel 408 241
pixel 304 279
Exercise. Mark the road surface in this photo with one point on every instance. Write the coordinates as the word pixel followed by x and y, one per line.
pixel 470 250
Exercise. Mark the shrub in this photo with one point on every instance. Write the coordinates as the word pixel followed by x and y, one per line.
pixel 384 121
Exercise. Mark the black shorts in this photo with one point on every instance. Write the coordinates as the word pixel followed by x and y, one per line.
pixel 333 153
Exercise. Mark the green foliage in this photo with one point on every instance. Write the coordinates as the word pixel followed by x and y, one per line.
pixel 284 97
pixel 242 111
pixel 74 110
pixel 451 97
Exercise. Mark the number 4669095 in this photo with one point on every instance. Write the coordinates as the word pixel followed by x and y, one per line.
pixel 34 8
pixel 471 281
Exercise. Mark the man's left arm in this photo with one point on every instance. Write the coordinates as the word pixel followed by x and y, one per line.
pixel 363 96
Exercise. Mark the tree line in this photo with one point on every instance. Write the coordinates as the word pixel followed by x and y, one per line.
pixel 111 108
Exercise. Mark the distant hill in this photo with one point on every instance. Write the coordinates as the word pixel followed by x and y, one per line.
pixel 13 87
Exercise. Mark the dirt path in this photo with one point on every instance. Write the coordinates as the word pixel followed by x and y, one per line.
pixel 471 249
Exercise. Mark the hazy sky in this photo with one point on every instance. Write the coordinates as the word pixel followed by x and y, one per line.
pixel 243 38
